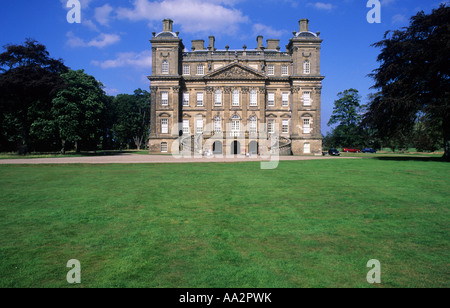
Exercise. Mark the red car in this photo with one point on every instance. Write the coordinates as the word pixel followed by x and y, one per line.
pixel 348 150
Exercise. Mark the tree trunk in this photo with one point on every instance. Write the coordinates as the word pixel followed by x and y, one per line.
pixel 63 149
pixel 447 148
pixel 446 131
pixel 138 142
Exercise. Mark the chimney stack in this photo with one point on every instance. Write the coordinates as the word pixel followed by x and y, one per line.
pixel 304 25
pixel 259 39
pixel 198 45
pixel 167 25
pixel 273 44
pixel 212 41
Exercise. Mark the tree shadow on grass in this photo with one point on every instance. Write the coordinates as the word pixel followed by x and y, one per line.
pixel 104 153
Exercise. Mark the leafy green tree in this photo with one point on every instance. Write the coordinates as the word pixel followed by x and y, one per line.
pixel 29 80
pixel 346 116
pixel 413 77
pixel 77 110
pixel 108 119
pixel 133 118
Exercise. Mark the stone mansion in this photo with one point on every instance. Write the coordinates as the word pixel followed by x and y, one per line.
pixel 233 97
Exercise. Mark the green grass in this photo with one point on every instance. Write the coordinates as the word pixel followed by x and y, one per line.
pixel 305 224
pixel 69 154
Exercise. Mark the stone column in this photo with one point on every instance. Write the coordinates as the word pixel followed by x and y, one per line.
pixel 318 107
pixel 176 110
pixel 227 103
pixel 245 102
pixel 262 99
pixel 153 104
pixel 295 108
pixel 209 106
pixel 153 61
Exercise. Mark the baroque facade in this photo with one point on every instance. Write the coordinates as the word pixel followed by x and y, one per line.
pixel 231 98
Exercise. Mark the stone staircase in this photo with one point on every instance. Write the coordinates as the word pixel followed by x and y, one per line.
pixel 281 144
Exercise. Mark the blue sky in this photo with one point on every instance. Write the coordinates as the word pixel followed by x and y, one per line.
pixel 112 41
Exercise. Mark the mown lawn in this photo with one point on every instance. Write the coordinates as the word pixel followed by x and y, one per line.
pixel 69 154
pixel 305 224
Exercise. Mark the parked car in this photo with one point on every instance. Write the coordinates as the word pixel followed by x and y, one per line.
pixel 349 150
pixel 368 150
pixel 334 152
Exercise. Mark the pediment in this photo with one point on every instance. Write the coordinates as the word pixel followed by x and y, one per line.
pixel 235 71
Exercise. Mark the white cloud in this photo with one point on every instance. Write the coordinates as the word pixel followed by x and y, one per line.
pixel 103 14
pixel 194 16
pixel 100 41
pixel 88 23
pixel 141 60
pixel 260 29
pixel 112 91
pixel 399 19
pixel 322 6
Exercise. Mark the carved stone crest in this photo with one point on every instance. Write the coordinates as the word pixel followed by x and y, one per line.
pixel 235 72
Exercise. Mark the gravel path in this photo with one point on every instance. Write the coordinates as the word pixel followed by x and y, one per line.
pixel 146 159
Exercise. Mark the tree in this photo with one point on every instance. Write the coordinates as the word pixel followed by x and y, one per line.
pixel 29 80
pixel 107 121
pixel 133 118
pixel 413 77
pixel 346 116
pixel 427 134
pixel 77 110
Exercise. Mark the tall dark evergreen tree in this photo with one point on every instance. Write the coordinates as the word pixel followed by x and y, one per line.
pixel 414 77
pixel 29 80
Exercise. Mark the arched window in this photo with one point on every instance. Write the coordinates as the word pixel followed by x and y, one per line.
pixel 306 67
pixel 165 67
pixel 307 126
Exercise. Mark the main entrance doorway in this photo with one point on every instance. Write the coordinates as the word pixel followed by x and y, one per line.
pixel 236 148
